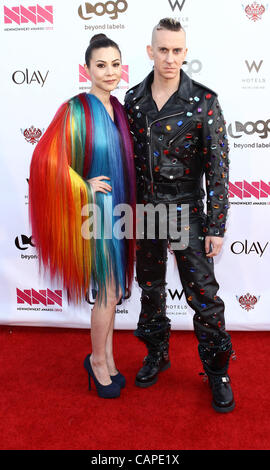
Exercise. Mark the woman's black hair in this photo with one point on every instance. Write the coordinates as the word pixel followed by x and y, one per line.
pixel 98 41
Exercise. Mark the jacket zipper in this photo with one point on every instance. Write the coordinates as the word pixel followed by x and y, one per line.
pixel 186 126
pixel 149 142
pixel 149 152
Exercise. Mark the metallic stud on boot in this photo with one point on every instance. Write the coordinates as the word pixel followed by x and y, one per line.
pixel 153 365
pixel 223 399
pixel 215 363
pixel 157 360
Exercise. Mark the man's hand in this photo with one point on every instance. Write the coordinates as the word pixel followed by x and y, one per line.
pixel 214 244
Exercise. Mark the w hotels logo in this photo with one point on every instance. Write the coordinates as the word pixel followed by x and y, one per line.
pixel 254 65
pixel 84 76
pixel 35 14
pixel 45 297
pixel 243 189
pixel 175 3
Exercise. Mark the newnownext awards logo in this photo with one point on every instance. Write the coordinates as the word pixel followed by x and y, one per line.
pixel 85 79
pixel 249 193
pixel 42 299
pixel 31 18
pixel 91 12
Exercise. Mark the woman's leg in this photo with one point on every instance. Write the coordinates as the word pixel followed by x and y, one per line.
pixel 102 322
pixel 109 349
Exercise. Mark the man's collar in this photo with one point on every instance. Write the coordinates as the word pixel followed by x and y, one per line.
pixel 184 91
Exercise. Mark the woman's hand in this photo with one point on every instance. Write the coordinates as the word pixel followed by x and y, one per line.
pixel 99 185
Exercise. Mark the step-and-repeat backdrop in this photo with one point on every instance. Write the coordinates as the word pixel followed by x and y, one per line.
pixel 41 60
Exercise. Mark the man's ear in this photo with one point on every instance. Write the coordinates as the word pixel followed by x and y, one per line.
pixel 149 50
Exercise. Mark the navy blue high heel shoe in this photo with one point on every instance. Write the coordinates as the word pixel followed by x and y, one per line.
pixel 119 379
pixel 104 391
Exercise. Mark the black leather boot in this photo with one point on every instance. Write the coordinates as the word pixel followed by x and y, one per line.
pixel 155 362
pixel 215 363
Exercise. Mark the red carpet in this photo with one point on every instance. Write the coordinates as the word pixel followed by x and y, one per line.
pixel 45 402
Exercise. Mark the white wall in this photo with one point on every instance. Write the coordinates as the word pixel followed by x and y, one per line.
pixel 40 68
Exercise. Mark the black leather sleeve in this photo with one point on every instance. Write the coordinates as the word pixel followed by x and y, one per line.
pixel 216 150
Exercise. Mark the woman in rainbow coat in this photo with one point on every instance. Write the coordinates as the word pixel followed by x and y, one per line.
pixel 84 164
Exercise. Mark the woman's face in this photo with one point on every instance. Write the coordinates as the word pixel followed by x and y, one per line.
pixel 105 68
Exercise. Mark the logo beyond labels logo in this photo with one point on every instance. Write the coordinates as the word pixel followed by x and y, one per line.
pixel 259 127
pixel 22 242
pixel 87 10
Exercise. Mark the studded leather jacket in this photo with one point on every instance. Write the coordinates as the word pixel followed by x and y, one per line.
pixel 176 146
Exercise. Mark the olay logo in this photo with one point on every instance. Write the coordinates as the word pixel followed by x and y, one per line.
pixel 42 296
pixel 84 76
pixel 238 247
pixel 35 14
pixel 243 189
pixel 25 76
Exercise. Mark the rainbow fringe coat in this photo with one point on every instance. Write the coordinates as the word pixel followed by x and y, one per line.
pixel 82 142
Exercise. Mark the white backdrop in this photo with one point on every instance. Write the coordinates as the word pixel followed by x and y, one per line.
pixel 41 59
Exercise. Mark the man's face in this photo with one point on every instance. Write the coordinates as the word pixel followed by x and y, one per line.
pixel 168 51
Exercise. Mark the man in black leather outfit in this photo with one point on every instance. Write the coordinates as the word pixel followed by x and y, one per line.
pixel 180 136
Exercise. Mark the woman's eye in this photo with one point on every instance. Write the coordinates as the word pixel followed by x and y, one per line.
pixel 116 65
pixel 100 65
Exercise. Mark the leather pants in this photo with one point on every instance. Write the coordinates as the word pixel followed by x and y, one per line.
pixel 196 272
